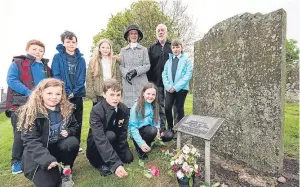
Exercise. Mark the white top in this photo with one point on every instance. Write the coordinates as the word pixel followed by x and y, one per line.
pixel 177 56
pixel 133 45
pixel 106 67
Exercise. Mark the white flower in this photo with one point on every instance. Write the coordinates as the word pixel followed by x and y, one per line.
pixel 172 163
pixel 184 165
pixel 190 170
pixel 179 174
pixel 196 166
pixel 180 160
pixel 186 157
pixel 186 149
pixel 194 150
pixel 176 161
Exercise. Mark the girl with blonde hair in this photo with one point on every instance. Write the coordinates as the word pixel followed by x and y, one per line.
pixel 48 128
pixel 103 65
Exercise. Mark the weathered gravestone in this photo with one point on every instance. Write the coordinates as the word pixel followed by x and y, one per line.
pixel 239 75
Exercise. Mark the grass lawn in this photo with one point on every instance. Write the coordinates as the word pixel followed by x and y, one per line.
pixel 86 176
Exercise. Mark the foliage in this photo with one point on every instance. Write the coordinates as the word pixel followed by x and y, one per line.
pixel 85 175
pixel 292 51
pixel 147 15
pixel 184 162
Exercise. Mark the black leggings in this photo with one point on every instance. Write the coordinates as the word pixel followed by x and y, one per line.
pixel 95 158
pixel 64 151
pixel 148 133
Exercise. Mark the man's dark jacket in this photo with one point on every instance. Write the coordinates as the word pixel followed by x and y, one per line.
pixel 99 120
pixel 158 56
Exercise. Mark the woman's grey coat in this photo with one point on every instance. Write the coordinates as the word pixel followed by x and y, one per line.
pixel 137 59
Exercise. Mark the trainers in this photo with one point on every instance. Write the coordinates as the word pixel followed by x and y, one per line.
pixel 104 171
pixel 16 168
pixel 80 149
pixel 66 181
pixel 142 156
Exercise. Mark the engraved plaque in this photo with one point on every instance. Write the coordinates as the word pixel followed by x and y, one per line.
pixel 201 126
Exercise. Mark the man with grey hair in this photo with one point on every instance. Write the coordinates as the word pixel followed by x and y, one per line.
pixel 158 55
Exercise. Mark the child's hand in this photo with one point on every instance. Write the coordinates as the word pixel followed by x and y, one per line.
pixel 145 148
pixel 172 90
pixel 120 172
pixel 71 96
pixel 64 133
pixel 52 165
pixel 117 58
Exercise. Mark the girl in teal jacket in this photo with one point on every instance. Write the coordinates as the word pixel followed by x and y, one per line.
pixel 144 120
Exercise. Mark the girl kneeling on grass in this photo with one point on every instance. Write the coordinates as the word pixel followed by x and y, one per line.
pixel 144 121
pixel 48 128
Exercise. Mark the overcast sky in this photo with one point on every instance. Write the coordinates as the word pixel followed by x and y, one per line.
pixel 23 20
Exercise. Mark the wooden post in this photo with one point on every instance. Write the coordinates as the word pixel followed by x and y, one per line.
pixel 207 162
pixel 178 140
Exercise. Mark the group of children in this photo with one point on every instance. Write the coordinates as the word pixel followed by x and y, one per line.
pixel 46 113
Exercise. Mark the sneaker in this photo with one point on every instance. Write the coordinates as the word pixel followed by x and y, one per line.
pixel 66 181
pixel 142 156
pixel 104 171
pixel 80 149
pixel 16 167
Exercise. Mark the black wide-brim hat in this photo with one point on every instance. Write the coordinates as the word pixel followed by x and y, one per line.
pixel 130 28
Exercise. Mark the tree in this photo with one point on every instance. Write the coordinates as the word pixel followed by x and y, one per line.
pixel 292 51
pixel 147 15
pixel 182 25
pixel 292 65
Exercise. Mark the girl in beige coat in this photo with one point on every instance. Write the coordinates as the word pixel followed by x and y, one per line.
pixel 103 65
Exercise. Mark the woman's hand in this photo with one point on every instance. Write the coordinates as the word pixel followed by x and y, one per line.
pixel 145 148
pixel 120 172
pixel 64 133
pixel 52 165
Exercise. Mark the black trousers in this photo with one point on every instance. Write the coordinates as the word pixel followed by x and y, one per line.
pixel 178 98
pixel 162 110
pixel 95 158
pixel 78 112
pixel 148 133
pixel 65 151
pixel 17 146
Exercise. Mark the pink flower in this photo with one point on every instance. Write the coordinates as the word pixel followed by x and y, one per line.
pixel 198 172
pixel 163 149
pixel 162 134
pixel 154 171
pixel 67 171
pixel 175 168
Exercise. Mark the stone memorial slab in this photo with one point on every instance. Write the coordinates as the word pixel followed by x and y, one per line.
pixel 240 75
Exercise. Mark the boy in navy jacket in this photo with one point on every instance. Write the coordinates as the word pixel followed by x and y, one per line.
pixel 69 66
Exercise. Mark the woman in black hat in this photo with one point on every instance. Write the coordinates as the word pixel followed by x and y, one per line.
pixel 134 65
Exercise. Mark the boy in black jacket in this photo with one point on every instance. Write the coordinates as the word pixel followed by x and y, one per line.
pixel 107 146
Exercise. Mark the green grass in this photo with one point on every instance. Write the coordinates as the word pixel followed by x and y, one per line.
pixel 86 176
pixel 291 130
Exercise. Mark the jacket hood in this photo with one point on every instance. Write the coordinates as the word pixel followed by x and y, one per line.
pixel 61 49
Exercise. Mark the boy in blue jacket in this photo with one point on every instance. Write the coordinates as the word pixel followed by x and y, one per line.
pixel 69 66
pixel 176 77
pixel 24 73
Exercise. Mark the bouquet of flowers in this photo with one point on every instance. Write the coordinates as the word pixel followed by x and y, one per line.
pixel 184 163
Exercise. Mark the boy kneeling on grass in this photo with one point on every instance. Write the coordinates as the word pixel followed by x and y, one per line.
pixel 107 146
